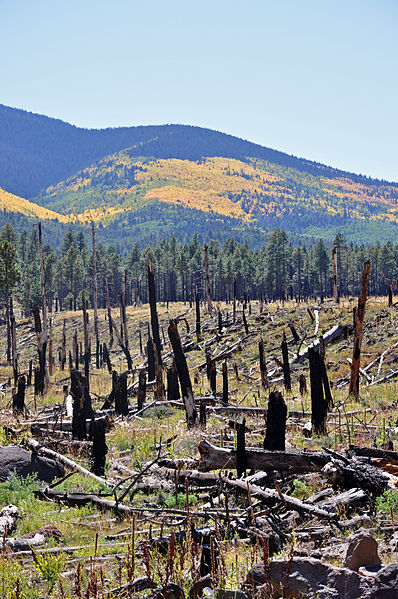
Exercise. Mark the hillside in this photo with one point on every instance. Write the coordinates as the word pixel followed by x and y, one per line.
pixel 37 151
pixel 250 195
pixel 145 183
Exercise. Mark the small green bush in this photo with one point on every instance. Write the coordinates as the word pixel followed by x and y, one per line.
pixel 388 500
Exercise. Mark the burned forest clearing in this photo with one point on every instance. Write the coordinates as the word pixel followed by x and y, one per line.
pixel 166 465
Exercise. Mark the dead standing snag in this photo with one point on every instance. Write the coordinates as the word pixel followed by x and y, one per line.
pixel 183 373
pixel 360 314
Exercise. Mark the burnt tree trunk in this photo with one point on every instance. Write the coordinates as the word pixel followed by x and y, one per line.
pixel 121 401
pixel 95 296
pixel 173 389
pixel 197 307
pixel 241 449
pixel 154 314
pixel 360 314
pixel 63 347
pixel 99 449
pixel 14 353
pixel 86 340
pixel 44 332
pixel 263 365
pixel 18 400
pixel 106 357
pixel 286 366
pixel 108 307
pixel 336 292
pixel 318 402
pixel 141 389
pixel 151 359
pixel 207 276
pixel 225 391
pixel 40 375
pixel 183 373
pixel 276 422
pixel 82 410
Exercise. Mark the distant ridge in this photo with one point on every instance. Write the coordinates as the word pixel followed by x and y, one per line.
pixel 38 151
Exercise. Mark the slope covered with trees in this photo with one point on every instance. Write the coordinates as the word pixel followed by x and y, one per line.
pixel 37 151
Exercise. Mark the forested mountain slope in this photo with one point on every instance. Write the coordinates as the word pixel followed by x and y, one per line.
pixel 37 151
pixel 148 182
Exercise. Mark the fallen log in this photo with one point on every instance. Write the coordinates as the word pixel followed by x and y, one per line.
pixel 215 458
pixel 38 449
pixel 332 335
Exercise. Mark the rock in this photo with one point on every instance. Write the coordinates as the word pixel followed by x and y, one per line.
pixel 362 551
pixel 17 459
pixel 256 577
pixel 8 519
pixel 385 584
pixel 198 586
pixel 310 578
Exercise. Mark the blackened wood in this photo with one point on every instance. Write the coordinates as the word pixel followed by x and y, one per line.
pixel 29 381
pixel 75 347
pixel 106 357
pixel 125 336
pixel 302 384
pixel 219 322
pixel 14 353
pixel 63 346
pixel 183 373
pixel 263 365
pixel 121 401
pixel 225 392
pixel 18 401
pixel 86 340
pixel 158 375
pixel 276 422
pixel 318 403
pixel 294 333
pixel 173 388
pixel 99 449
pixel 336 292
pixel 389 292
pixel 234 304
pixel 211 373
pixel 141 389
pixel 151 359
pixel 197 308
pixel 245 321
pixel 286 366
pixel 140 342
pixel 356 353
pixel 70 360
pixel 154 313
pixel 44 332
pixel 82 409
pixel 40 376
pixel 108 307
pixel 241 450
pixel 217 458
pixel 95 296
pixel 207 278
pixel 202 413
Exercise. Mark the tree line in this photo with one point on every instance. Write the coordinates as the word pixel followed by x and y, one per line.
pixel 278 270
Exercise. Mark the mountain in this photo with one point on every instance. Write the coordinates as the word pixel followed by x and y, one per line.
pixel 147 182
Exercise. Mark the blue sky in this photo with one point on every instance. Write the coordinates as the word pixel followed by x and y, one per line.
pixel 314 78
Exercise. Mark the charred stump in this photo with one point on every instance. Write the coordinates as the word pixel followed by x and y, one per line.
pixel 276 422
pixel 225 391
pixel 99 449
pixel 82 410
pixel 141 389
pixel 173 388
pixel 18 400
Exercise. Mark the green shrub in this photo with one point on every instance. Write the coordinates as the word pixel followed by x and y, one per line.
pixel 388 500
